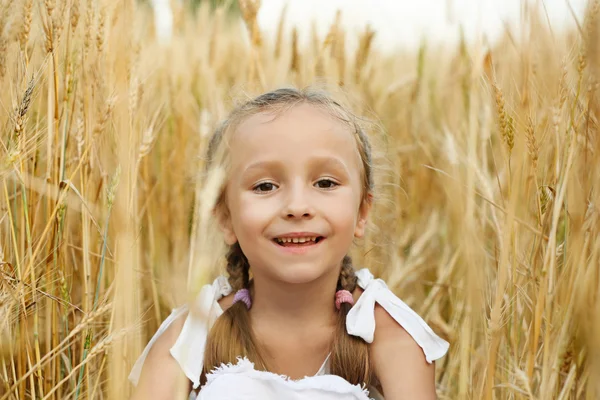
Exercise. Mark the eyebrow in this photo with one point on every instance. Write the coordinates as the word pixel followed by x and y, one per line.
pixel 330 162
pixel 262 165
pixel 319 161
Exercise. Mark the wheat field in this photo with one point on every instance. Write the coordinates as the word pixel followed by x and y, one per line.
pixel 488 223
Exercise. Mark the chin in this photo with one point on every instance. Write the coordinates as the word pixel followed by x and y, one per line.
pixel 300 273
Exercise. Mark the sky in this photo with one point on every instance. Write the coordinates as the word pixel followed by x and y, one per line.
pixel 404 23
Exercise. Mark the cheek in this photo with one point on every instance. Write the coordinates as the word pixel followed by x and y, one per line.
pixel 251 214
pixel 342 213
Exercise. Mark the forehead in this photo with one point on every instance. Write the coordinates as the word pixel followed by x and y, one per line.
pixel 294 135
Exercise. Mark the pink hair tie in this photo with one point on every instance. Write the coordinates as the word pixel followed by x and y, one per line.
pixel 243 295
pixel 343 296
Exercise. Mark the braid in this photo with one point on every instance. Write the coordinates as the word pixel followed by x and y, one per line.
pixel 349 354
pixel 237 268
pixel 348 279
pixel 231 335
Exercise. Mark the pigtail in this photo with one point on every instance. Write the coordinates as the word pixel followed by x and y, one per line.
pixel 238 268
pixel 349 354
pixel 231 335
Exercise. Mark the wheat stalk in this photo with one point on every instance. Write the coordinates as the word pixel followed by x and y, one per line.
pixel 362 55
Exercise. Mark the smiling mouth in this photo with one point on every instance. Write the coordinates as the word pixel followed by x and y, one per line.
pixel 298 242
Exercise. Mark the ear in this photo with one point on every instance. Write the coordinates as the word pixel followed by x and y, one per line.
pixel 363 216
pixel 224 220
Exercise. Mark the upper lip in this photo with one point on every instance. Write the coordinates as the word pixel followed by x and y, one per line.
pixel 298 235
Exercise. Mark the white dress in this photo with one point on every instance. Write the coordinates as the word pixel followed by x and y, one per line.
pixel 241 381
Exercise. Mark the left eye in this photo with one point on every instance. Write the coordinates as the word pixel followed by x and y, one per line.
pixel 264 187
pixel 326 184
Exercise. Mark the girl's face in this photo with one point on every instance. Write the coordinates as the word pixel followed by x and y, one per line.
pixel 296 176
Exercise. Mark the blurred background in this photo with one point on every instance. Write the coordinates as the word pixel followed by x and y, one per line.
pixel 484 114
pixel 406 24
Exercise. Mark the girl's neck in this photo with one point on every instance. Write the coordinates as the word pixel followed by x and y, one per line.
pixel 295 305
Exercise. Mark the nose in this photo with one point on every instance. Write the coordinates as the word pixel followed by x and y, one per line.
pixel 298 203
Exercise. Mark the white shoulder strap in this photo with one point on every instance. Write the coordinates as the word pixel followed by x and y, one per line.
pixel 136 371
pixel 361 317
pixel 188 350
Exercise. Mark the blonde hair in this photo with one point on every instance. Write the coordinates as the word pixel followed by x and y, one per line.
pixel 231 335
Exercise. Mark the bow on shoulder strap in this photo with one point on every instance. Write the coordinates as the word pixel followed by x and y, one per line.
pixel 361 317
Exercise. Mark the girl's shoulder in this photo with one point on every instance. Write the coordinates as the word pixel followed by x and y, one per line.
pixel 160 371
pixel 182 335
pixel 404 344
pixel 377 303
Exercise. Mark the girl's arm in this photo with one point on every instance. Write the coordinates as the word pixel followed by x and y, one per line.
pixel 161 376
pixel 399 362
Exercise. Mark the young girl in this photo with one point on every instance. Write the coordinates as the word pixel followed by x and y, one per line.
pixel 293 319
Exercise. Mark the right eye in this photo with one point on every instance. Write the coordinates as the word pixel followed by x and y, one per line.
pixel 264 187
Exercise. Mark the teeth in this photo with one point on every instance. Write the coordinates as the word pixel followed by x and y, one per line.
pixel 297 240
